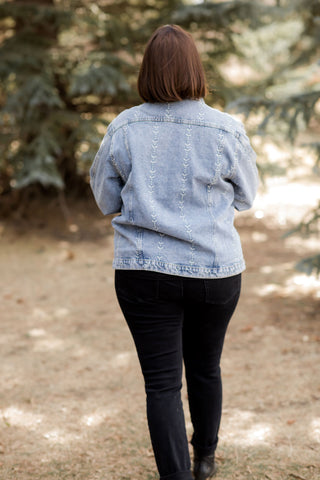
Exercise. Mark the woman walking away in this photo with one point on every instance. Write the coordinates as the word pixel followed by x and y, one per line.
pixel 175 169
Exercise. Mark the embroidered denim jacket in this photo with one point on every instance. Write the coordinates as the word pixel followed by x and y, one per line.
pixel 175 172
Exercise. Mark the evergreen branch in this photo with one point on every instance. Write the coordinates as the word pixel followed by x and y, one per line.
pixel 289 110
pixel 309 265
pixel 45 18
pixel 310 225
pixel 224 15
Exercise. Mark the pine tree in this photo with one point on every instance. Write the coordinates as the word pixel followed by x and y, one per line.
pixel 65 68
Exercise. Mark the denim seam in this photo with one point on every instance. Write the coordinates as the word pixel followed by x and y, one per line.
pixel 141 263
pixel 185 173
pixel 178 121
pixel 113 161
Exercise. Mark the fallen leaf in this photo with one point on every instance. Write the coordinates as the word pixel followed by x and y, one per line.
pixel 291 421
pixel 246 329
pixel 67 255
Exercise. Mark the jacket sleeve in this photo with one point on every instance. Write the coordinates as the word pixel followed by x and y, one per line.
pixel 105 179
pixel 246 178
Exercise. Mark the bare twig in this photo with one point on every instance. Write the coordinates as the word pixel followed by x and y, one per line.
pixel 63 206
pixel 293 475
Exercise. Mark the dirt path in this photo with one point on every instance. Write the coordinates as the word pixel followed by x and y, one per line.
pixel 71 393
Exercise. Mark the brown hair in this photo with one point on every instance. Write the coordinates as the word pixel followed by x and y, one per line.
pixel 171 68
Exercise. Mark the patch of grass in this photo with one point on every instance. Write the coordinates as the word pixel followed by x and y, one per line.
pixel 257 464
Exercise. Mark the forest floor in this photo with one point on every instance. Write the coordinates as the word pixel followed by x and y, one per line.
pixel 72 402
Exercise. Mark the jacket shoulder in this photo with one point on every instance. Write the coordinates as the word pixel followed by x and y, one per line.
pixel 123 119
pixel 224 120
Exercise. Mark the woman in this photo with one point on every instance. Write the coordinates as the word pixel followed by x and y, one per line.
pixel 176 169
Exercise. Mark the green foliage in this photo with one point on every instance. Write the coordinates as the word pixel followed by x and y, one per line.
pixel 310 225
pixel 287 115
pixel 309 265
pixel 66 68
pixel 99 75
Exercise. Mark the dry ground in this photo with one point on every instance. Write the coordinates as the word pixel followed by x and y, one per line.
pixel 71 393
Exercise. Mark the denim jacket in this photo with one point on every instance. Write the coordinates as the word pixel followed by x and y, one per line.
pixel 175 172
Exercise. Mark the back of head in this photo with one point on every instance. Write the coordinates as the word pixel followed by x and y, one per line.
pixel 171 68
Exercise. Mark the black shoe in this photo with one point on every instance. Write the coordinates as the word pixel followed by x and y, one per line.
pixel 204 467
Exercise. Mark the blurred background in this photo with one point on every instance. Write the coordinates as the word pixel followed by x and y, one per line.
pixel 68 67
pixel 71 397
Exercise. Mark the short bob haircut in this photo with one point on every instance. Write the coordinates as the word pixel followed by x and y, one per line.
pixel 171 68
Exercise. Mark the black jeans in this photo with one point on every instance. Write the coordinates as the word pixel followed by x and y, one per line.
pixel 174 319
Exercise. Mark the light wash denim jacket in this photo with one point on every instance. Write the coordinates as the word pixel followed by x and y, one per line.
pixel 175 172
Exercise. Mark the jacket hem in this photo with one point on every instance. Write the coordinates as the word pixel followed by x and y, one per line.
pixel 179 269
